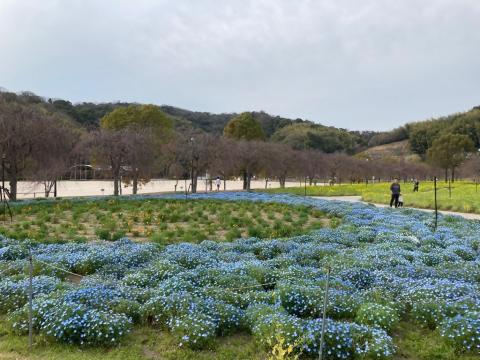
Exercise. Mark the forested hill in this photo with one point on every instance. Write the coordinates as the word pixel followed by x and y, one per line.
pixel 298 133
pixel 421 134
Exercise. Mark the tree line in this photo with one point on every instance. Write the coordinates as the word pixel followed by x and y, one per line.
pixel 134 143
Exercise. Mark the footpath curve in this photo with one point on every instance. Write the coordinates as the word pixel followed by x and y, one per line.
pixel 468 216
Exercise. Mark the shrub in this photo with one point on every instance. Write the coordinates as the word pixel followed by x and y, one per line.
pixel 255 231
pixel 371 343
pixel 130 308
pixel 431 312
pixel 227 317
pixel 14 294
pixel 232 234
pixel 338 340
pixel 465 252
pixel 377 315
pixel 196 331
pixel 103 234
pixel 161 309
pixel 347 341
pixel 13 252
pixel 301 300
pixel 73 323
pixel 268 327
pixel 117 235
pixel 152 275
pixel 462 331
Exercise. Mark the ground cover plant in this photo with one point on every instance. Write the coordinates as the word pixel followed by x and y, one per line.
pixel 164 221
pixel 398 290
pixel 463 196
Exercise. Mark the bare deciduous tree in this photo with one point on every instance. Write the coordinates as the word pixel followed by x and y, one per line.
pixel 140 157
pixel 20 131
pixel 52 156
pixel 109 148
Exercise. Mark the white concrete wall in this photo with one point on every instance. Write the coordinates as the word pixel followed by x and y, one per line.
pixel 67 188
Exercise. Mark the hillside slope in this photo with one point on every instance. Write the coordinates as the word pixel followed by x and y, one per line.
pixel 399 150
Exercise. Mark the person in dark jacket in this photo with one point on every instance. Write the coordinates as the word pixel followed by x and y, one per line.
pixel 416 183
pixel 395 189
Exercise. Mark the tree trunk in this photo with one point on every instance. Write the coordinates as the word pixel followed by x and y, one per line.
pixel 193 186
pixel 13 186
pixel 249 178
pixel 244 174
pixel 281 179
pixel 453 174
pixel 116 184
pixel 49 185
pixel 135 184
pixel 115 187
pixel 55 189
pixel 446 174
pixel 194 182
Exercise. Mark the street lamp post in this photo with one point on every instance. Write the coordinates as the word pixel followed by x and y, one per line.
pixel 3 183
pixel 4 195
pixel 3 171
pixel 476 180
pixel 192 172
pixel 366 177
pixel 436 207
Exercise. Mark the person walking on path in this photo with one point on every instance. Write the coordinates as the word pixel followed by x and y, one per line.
pixel 218 182
pixel 415 185
pixel 395 189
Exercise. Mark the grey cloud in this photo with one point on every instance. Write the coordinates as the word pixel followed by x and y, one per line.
pixel 371 64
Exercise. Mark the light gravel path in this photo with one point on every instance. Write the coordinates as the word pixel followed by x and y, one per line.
pixel 359 199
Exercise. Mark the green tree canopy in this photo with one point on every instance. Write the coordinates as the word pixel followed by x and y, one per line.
pixel 423 134
pixel 139 117
pixel 302 136
pixel 449 151
pixel 244 127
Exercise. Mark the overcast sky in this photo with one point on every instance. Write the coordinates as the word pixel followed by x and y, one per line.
pixel 369 64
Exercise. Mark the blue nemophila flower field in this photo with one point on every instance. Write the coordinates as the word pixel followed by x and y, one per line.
pixel 386 265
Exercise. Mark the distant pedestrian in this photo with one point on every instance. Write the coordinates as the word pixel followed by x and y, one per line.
pixel 416 183
pixel 395 189
pixel 400 200
pixel 218 182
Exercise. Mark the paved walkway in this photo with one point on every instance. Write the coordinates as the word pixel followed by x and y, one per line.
pixel 359 199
